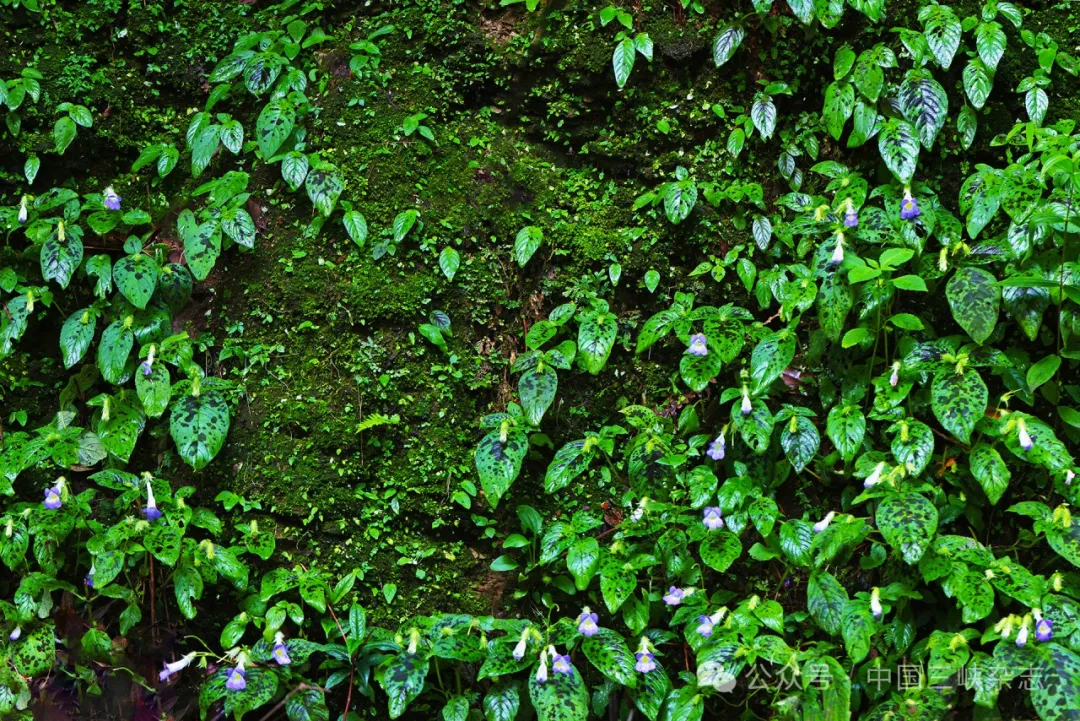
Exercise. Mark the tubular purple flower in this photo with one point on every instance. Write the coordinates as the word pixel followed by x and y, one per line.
pixel 909 207
pixel 1025 440
pixel 1022 636
pixel 706 626
pixel 674 596
pixel 746 405
pixel 894 378
pixel 838 251
pixel 712 518
pixel 875 603
pixel 562 664
pixel 175 667
pixel 699 345
pixel 874 478
pixel 23 208
pixel 542 671
pixel 1044 630
pixel 236 679
pixel 281 651
pixel 645 662
pixel 851 218
pixel 112 200
pixel 15 634
pixel 151 511
pixel 587 623
pixel 824 522
pixel 89 580
pixel 522 645
pixel 717 448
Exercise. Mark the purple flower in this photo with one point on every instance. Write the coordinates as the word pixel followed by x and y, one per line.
pixel 851 218
pixel 281 654
pixel 706 627
pixel 1025 440
pixel 1044 630
pixel 562 664
pixel 645 661
pixel 146 368
pixel 746 406
pixel 15 634
pixel 717 448
pixel 875 603
pixel 698 345
pixel 587 623
pixel 541 672
pixel 522 645
pixel 89 580
pixel 151 511
pixel 22 209
pixel 1022 637
pixel 894 378
pixel 112 200
pixel 712 518
pixel 838 251
pixel 236 679
pixel 674 596
pixel 175 667
pixel 52 497
pixel 909 207
pixel 824 522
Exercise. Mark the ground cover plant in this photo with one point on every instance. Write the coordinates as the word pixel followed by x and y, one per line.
pixel 539 359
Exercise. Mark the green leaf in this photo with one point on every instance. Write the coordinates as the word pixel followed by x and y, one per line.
pixel 136 277
pixel 720 549
pixel 924 103
pixel 583 561
pixel 608 653
pixel 974 298
pixel 800 441
pixel 959 401
pixel 977 83
pixel 846 427
pixel 202 246
pixel 772 355
pixel 31 167
pixel 403 223
pixel 596 338
pixel 498 462
pixel 569 462
pixel 617 582
pixel 899 147
pixel 825 599
pixel 60 258
pixel 76 335
pixel 908 521
pixel 309 704
pixel 725 44
pixel 857 628
pixel 942 30
pixel 63 133
pixel 35 654
pixel 839 104
pixel 990 471
pixel 275 124
pixel 1041 372
pixel 357 228
pixel 199 425
pixel 913 445
pixel 697 371
pixel 116 343
pixel 324 185
pixel 403 680
pixel 563 697
pixel 763 115
pixel 502 701
pixel 527 242
pixel 163 541
pixel 622 60
pixel 294 169
pixel 260 689
pixel 239 226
